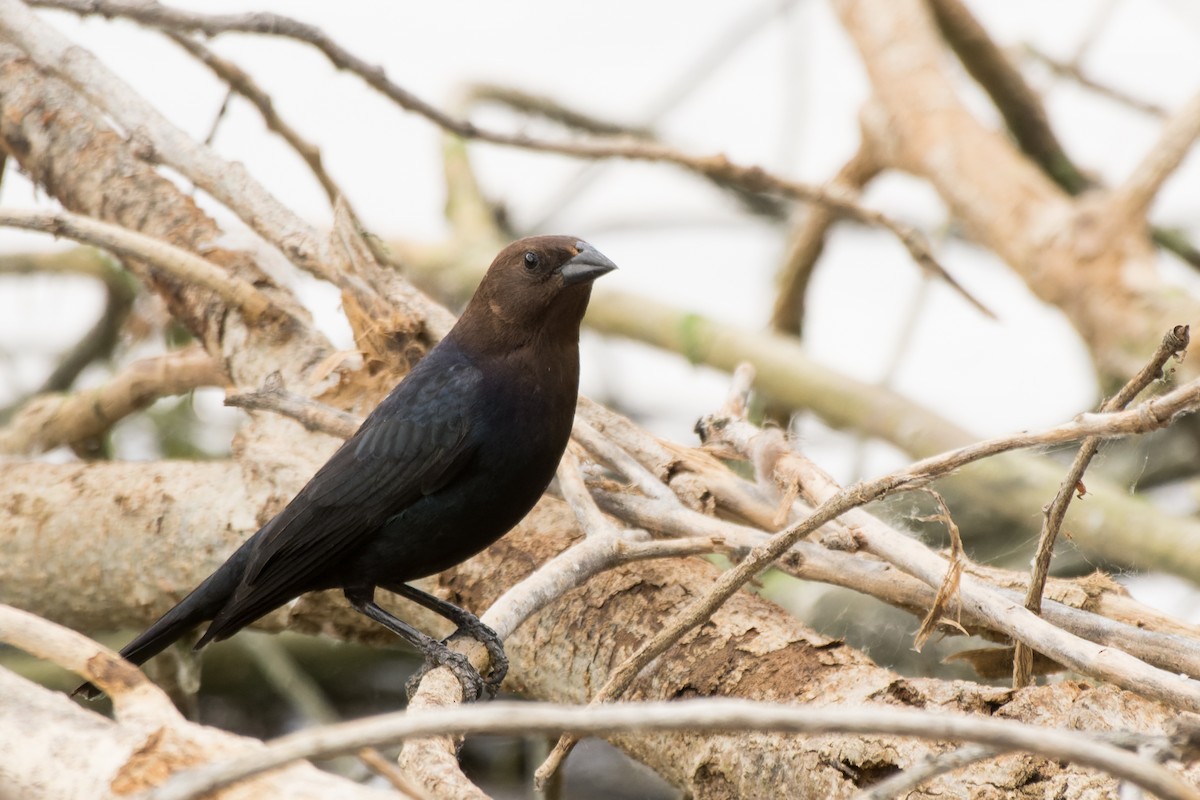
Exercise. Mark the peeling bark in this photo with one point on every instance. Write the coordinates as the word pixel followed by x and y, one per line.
pixel 102 545
pixel 101 758
pixel 750 649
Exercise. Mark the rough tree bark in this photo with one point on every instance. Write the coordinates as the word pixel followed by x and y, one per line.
pixel 750 649
pixel 154 530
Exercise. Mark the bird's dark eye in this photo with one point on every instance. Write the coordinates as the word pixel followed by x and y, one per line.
pixel 531 260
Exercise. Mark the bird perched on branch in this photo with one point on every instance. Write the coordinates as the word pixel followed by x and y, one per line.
pixel 451 459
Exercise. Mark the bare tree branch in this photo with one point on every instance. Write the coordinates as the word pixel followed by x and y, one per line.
pixel 1132 199
pixel 1017 102
pixel 806 242
pixel 716 167
pixel 125 243
pixel 243 84
pixel 47 421
pixel 1054 242
pixel 229 182
pixel 709 714
pixel 1174 344
pixel 136 751
pixel 911 557
pixel 575 492
pixel 1071 70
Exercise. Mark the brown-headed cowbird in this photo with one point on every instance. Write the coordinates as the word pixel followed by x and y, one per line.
pixel 451 459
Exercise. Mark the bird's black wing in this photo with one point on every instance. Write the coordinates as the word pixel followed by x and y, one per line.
pixel 415 442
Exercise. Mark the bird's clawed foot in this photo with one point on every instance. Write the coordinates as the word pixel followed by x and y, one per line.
pixel 436 653
pixel 487 637
pixel 473 686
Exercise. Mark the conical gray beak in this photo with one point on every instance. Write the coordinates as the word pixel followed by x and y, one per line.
pixel 588 265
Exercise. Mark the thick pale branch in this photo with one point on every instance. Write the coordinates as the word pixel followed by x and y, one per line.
pixel 1071 70
pixel 833 502
pixel 1055 243
pixel 48 421
pixel 184 266
pixel 133 694
pixel 146 742
pixel 229 182
pixel 712 715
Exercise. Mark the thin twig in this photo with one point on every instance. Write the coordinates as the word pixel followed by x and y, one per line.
pixel 229 182
pixel 1071 70
pixel 346 220
pixel 1174 343
pixel 1014 98
pixel 716 167
pixel 551 109
pixel 101 339
pixel 1119 668
pixel 312 415
pixel 183 265
pixel 240 82
pixel 392 774
pixel 218 118
pixel 806 242
pixel 570 482
pixel 948 588
pixel 296 688
pixel 705 63
pixel 708 714
pixel 618 459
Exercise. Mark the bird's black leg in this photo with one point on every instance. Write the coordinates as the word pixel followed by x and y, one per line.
pixel 468 624
pixel 435 653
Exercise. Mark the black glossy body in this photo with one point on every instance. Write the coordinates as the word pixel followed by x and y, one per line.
pixel 451 459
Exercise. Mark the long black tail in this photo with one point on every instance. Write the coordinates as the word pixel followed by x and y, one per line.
pixel 204 602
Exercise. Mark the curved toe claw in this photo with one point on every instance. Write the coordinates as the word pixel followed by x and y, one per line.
pixel 473 686
pixel 495 647
pixel 496 674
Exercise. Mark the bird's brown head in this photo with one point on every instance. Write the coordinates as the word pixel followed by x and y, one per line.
pixel 536 288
